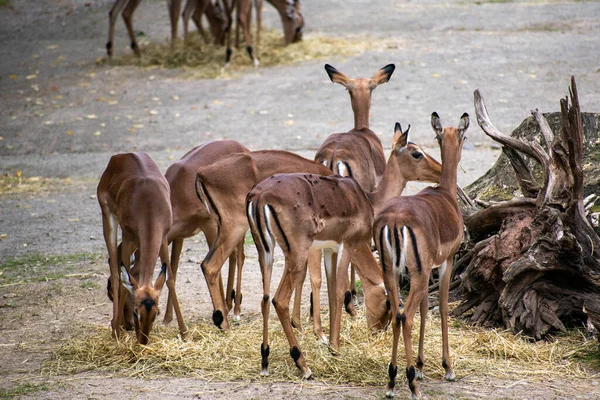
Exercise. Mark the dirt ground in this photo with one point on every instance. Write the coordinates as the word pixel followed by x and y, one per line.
pixel 62 116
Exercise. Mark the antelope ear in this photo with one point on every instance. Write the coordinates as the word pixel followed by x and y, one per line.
pixel 463 124
pixel 436 124
pixel 400 138
pixel 162 277
pixel 128 281
pixel 336 76
pixel 383 75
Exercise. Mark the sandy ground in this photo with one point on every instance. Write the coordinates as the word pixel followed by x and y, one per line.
pixel 62 116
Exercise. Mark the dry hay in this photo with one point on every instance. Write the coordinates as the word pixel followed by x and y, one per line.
pixel 203 60
pixel 35 185
pixel 363 358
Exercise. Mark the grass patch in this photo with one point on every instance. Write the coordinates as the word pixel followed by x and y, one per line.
pixel 4 3
pixel 202 60
pixel 22 390
pixel 363 358
pixel 41 268
pixel 16 183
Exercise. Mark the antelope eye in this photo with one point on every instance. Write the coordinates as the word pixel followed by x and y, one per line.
pixel 417 155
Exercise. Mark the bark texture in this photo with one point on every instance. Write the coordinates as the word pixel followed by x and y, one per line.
pixel 533 260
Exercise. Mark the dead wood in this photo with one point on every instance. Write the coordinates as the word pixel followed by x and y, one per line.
pixel 533 261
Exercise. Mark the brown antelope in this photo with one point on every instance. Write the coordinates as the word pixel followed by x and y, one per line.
pixel 291 19
pixel 134 195
pixel 190 216
pixel 420 233
pixel 357 153
pixel 334 213
pixel 223 187
pixel 215 14
pixel 126 8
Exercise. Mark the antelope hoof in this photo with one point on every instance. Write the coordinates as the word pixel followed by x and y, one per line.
pixel 450 376
pixel 236 318
pixel 307 374
pixel 390 394
pixel 419 375
pixel 256 63
pixel 264 372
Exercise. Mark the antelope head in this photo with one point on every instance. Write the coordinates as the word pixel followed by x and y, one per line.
pixel 293 22
pixel 145 307
pixel 450 134
pixel 360 89
pixel 410 159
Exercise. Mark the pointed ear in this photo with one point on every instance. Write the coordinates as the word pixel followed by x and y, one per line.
pixel 336 76
pixel 128 282
pixel 162 277
pixel 383 75
pixel 436 124
pixel 400 138
pixel 463 124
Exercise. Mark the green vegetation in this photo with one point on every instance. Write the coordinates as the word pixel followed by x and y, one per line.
pixel 41 268
pixel 4 3
pixel 22 389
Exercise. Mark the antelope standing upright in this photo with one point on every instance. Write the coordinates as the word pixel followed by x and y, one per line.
pixel 134 195
pixel 357 153
pixel 127 7
pixel 223 187
pixel 420 233
pixel 303 211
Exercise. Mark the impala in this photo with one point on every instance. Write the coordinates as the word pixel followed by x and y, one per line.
pixel 216 14
pixel 333 213
pixel 134 195
pixel 223 186
pixel 190 216
pixel 126 8
pixel 419 233
pixel 357 153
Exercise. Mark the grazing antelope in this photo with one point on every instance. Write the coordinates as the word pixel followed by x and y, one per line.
pixel 223 187
pixel 303 211
pixel 134 195
pixel 215 14
pixel 190 216
pixel 420 233
pixel 357 153
pixel 291 19
pixel 126 9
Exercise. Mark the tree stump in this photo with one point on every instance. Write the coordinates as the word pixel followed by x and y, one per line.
pixel 533 261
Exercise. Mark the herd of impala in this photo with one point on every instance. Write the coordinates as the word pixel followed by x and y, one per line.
pixel 219 15
pixel 333 207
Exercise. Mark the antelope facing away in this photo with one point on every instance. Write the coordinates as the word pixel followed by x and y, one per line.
pixel 190 216
pixel 134 195
pixel 127 7
pixel 303 211
pixel 223 187
pixel 357 153
pixel 420 233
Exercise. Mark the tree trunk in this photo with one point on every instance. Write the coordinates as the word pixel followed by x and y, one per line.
pixel 533 262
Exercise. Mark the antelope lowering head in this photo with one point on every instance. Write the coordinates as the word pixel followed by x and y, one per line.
pixel 145 307
pixel 293 22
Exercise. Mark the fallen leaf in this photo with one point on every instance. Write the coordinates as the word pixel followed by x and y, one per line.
pixel 217 102
pixel 153 112
pixel 32 76
pixel 131 130
pixel 48 122
pixel 73 219
pixel 54 88
pixel 175 97
pixel 138 126
pixel 69 132
pixel 52 47
pixel 91 116
pixel 177 115
pixel 36 87
pixel 3 236
pixel 435 75
pixel 155 99
pixel 112 102
pixel 289 122
pixel 97 133
pixel 13 77
pixel 92 74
